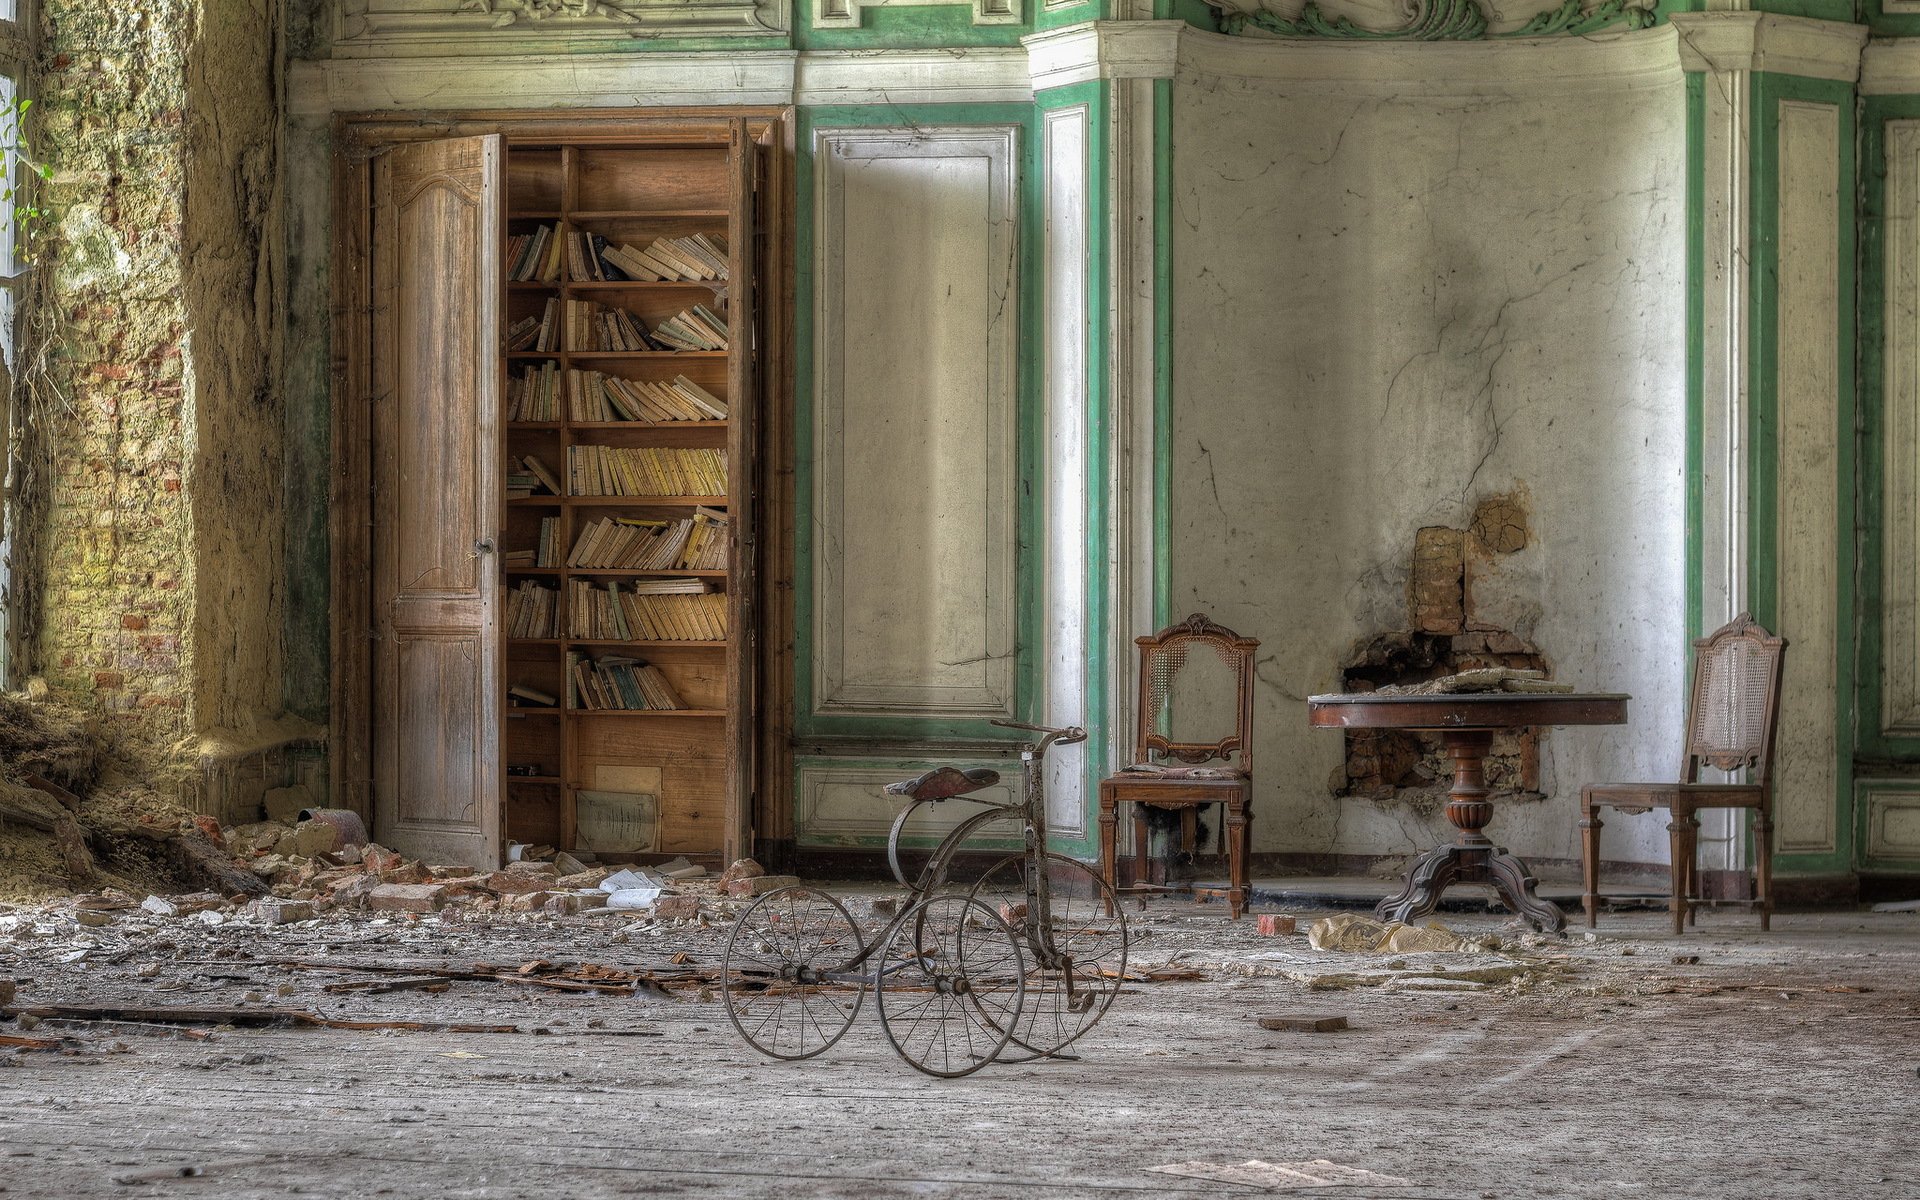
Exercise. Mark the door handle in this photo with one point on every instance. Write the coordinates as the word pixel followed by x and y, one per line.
pixel 482 546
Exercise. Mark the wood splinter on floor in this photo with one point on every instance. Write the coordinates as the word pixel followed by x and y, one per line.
pixel 1304 1024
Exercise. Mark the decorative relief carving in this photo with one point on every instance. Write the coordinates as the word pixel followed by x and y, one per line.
pixel 1435 21
pixel 488 22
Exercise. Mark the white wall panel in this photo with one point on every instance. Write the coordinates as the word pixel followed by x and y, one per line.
pixel 1809 482
pixel 1064 138
pixel 914 503
pixel 1900 553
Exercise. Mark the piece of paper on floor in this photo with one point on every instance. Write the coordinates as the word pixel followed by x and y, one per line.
pixel 1254 1173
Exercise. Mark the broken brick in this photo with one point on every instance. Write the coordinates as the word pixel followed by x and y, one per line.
pixel 283 912
pixel 521 902
pixel 514 882
pixel 676 908
pixel 760 885
pixel 1275 924
pixel 407 897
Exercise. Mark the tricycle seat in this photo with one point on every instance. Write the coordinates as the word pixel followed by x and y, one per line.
pixel 943 783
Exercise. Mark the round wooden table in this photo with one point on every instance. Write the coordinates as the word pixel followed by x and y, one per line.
pixel 1466 723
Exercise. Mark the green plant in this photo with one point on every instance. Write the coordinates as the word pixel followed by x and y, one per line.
pixel 16 192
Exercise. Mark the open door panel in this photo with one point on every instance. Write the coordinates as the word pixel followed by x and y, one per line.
pixel 437 225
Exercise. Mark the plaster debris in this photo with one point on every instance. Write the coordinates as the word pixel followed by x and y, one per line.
pixel 1357 934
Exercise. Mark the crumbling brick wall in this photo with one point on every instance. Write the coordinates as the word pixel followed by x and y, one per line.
pixel 154 444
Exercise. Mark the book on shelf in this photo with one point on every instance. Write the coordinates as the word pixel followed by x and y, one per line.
pixel 521 695
pixel 541 334
pixel 534 394
pixel 646 471
pixel 696 328
pixel 540 474
pixel 534 257
pixel 596 396
pixel 617 682
pixel 647 610
pixel 533 611
pixel 592 326
pixel 548 554
pixel 701 258
pixel 696 543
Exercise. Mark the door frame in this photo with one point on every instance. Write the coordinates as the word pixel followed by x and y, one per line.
pixel 359 138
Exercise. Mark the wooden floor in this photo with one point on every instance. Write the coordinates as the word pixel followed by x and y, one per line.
pixel 1779 1065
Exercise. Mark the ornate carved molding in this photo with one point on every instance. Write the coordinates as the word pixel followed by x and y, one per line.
pixel 845 14
pixel 1435 21
pixel 500 26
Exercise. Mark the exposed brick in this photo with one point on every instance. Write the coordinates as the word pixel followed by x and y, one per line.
pixel 1275 924
pixel 1436 583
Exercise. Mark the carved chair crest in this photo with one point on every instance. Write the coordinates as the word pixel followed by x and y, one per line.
pixel 1162 658
pixel 1736 698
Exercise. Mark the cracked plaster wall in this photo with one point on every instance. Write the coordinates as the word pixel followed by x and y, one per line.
pixel 1389 306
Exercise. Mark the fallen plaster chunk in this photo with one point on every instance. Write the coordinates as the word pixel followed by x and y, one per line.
pixel 1363 935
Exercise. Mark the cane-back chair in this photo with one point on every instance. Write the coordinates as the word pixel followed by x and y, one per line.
pixel 1170 773
pixel 1730 727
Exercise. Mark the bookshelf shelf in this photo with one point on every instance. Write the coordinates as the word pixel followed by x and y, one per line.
pixel 708 713
pixel 649 214
pixel 645 501
pixel 647 198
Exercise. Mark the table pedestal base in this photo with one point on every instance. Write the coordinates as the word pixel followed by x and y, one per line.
pixel 1443 866
pixel 1473 858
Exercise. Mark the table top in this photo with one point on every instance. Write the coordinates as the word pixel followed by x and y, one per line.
pixel 1466 710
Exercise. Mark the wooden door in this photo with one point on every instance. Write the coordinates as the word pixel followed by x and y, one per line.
pixel 438 223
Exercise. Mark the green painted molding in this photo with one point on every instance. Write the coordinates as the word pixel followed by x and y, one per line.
pixel 1162 352
pixel 1439 21
pixel 1869 740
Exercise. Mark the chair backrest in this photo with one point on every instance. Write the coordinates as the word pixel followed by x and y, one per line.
pixel 1736 698
pixel 1162 658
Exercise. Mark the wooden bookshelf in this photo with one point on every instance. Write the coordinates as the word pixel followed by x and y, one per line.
pixel 696 758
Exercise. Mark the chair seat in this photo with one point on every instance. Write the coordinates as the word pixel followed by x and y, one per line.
pixel 1201 771
pixel 1127 786
pixel 1683 797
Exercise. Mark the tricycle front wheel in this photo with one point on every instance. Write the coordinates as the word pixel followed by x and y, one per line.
pixel 779 968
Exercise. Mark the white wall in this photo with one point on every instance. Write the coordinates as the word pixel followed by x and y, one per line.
pixel 1391 300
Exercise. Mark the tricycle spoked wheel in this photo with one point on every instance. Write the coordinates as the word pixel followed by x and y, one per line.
pixel 774 972
pixel 1069 994
pixel 949 983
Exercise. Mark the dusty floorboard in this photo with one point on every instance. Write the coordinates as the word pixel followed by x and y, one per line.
pixel 1602 1068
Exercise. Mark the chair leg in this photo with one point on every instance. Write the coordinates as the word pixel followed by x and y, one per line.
pixel 1140 874
pixel 1763 866
pixel 1239 856
pixel 1693 870
pixel 1590 826
pixel 1677 872
pixel 1109 831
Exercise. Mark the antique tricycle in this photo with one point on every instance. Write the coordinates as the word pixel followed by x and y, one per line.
pixel 1007 964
